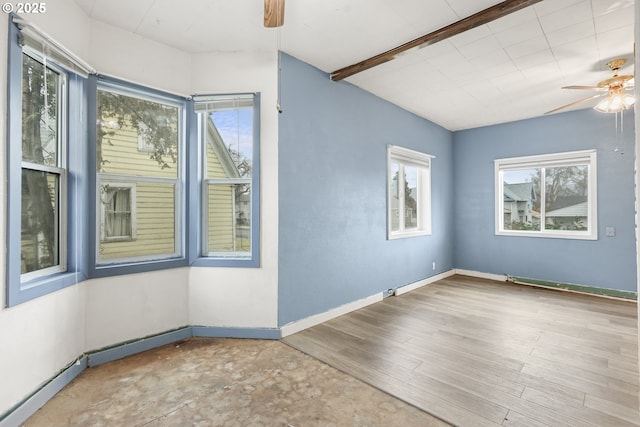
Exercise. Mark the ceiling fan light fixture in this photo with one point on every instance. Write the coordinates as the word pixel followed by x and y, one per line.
pixel 615 102
pixel 628 100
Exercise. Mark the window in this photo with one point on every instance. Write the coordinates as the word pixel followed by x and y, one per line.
pixel 46 143
pixel 119 216
pixel 550 195
pixel 228 141
pixel 409 193
pixel 144 143
pixel 42 225
pixel 138 192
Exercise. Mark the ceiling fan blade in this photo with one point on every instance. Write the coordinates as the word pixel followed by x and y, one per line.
pixel 599 89
pixel 273 13
pixel 575 102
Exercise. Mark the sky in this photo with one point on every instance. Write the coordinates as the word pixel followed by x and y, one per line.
pixel 518 176
pixel 236 129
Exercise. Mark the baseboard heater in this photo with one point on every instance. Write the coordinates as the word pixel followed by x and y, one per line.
pixel 612 293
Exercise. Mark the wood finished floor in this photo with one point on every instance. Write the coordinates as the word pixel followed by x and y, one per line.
pixel 476 352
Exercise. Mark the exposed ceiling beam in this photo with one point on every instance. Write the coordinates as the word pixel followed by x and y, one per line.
pixel 273 13
pixel 483 17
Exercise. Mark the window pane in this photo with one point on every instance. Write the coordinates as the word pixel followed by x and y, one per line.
pixel 138 140
pixel 566 198
pixel 143 217
pixel 521 205
pixel 228 168
pixel 410 197
pixel 126 123
pixel 229 218
pixel 39 220
pixel 39 113
pixel 394 197
pixel 230 137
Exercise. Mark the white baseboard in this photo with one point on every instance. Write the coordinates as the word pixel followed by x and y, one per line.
pixel 481 275
pixel 415 285
pixel 316 319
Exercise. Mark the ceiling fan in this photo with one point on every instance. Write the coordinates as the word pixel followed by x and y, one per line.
pixel 614 88
pixel 273 13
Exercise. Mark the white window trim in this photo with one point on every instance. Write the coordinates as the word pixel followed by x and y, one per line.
pixel 119 186
pixel 573 158
pixel 422 161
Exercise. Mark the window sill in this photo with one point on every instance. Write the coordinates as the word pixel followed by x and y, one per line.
pixel 405 234
pixel 226 262
pixel 118 239
pixel 43 285
pixel 106 270
pixel 575 235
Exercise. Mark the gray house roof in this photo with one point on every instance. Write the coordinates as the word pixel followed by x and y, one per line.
pixel 565 201
pixel 579 209
pixel 519 192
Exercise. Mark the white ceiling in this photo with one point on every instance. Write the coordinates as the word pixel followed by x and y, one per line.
pixel 507 70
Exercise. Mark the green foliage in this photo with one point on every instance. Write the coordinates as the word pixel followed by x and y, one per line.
pixel 576 225
pixel 156 122
pixel 560 182
pixel 519 225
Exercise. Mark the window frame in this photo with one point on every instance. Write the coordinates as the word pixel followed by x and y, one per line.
pixel 573 158
pixel 197 203
pixel 72 142
pixel 405 157
pixel 60 169
pixel 143 263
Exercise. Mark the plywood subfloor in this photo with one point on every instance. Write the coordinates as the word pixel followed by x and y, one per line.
pixel 481 353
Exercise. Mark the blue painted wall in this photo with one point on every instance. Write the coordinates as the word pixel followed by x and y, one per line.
pixel 608 262
pixel 332 194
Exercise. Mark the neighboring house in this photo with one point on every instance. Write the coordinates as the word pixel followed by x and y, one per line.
pixel 410 219
pixel 518 203
pixel 224 204
pixel 137 215
pixel 568 212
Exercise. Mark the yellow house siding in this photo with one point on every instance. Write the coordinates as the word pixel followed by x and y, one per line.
pixel 155 202
pixel 220 218
pixel 155 219
pixel 120 155
pixel 214 167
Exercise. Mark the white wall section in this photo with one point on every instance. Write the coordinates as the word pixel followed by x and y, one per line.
pixel 246 297
pixel 40 337
pixel 127 56
pixel 133 306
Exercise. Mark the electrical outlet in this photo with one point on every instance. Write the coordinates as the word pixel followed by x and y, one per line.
pixel 433 266
pixel 610 231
